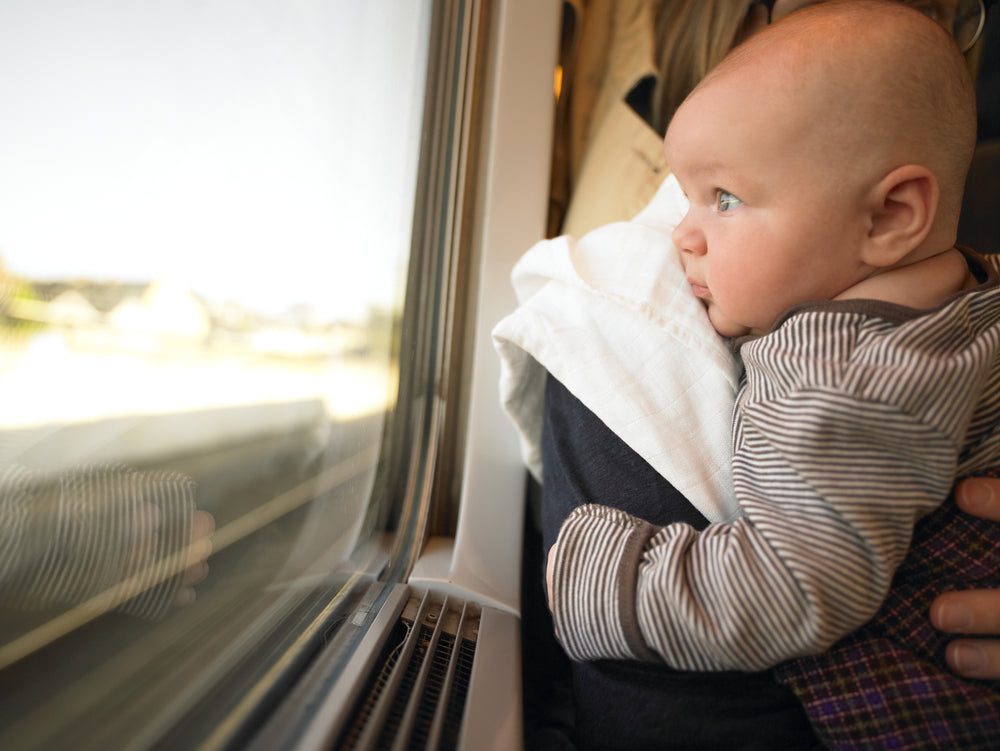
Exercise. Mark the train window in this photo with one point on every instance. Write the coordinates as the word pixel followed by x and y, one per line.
pixel 206 286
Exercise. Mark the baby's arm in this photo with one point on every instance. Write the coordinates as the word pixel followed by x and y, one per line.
pixel 808 564
pixel 959 612
pixel 129 536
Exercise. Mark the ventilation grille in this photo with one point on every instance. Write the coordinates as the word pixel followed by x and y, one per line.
pixel 417 698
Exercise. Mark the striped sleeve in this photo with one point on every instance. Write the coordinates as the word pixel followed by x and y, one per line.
pixel 840 449
pixel 600 546
pixel 806 565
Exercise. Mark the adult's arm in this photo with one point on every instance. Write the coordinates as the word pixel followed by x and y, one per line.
pixel 973 611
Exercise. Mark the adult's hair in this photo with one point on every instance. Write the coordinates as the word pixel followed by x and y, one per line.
pixel 692 37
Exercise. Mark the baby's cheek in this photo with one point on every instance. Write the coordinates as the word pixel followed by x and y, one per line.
pixel 724 325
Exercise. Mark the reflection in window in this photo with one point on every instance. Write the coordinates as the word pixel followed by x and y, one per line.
pixel 205 216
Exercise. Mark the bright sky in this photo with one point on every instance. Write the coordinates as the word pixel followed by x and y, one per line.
pixel 262 151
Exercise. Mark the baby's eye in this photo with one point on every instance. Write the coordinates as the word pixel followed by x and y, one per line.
pixel 724 201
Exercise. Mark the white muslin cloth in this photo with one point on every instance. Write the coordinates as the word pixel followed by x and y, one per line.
pixel 613 318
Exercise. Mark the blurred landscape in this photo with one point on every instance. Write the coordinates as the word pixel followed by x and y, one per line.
pixel 84 351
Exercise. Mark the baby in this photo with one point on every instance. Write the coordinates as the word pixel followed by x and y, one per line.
pixel 824 162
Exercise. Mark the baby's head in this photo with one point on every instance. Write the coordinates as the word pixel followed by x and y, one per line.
pixel 827 148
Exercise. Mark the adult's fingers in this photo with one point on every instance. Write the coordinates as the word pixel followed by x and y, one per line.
pixel 975 611
pixel 975 658
pixel 980 496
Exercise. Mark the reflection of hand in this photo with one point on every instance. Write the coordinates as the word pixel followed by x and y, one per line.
pixel 974 611
pixel 200 548
pixel 148 519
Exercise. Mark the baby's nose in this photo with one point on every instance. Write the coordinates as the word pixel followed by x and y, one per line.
pixel 687 238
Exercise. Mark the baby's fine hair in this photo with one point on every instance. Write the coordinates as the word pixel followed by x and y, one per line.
pixel 889 78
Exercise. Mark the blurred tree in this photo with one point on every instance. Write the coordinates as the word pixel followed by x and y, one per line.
pixel 12 289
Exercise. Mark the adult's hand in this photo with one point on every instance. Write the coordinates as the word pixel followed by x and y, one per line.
pixel 974 611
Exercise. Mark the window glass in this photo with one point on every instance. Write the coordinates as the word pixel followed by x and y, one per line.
pixel 205 219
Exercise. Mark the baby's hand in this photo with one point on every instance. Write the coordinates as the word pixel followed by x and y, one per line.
pixel 549 564
pixel 548 575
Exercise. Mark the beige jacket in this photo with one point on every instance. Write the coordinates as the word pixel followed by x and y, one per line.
pixel 615 162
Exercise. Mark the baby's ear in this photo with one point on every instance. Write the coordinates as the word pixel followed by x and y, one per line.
pixel 903 207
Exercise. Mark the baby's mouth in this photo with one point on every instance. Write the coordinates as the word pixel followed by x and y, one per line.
pixel 700 290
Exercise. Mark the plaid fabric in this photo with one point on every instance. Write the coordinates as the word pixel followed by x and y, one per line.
pixel 886 686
